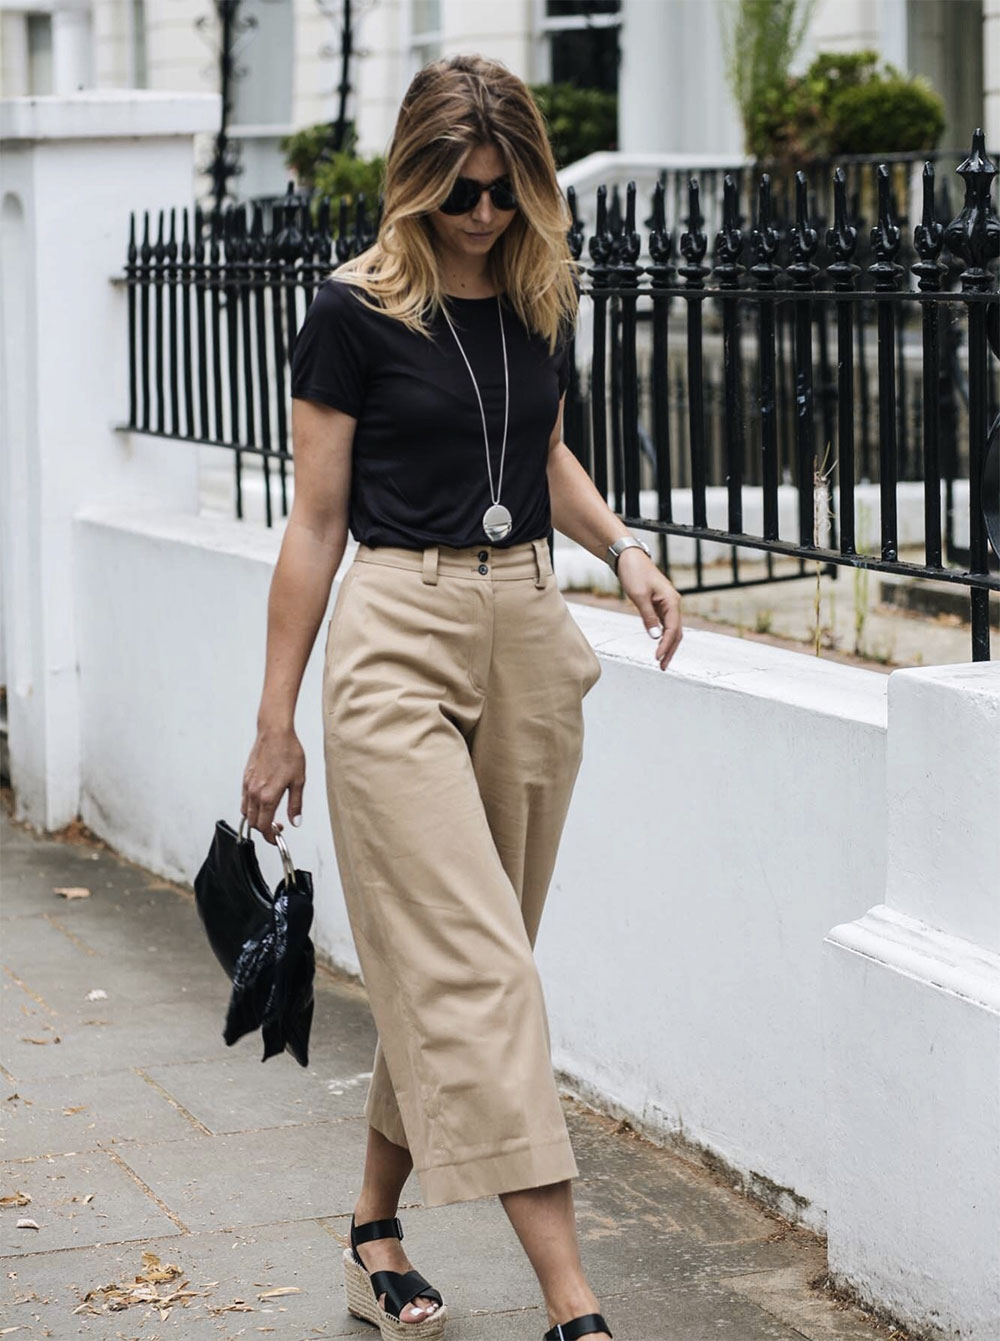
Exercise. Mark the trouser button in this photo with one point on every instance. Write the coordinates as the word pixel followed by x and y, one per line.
pixel 483 568
pixel 483 556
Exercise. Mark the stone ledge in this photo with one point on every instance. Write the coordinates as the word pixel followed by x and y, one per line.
pixel 108 114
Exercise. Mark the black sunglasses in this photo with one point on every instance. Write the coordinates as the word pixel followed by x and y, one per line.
pixel 464 195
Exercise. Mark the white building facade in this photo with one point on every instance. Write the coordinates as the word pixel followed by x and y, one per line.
pixel 664 58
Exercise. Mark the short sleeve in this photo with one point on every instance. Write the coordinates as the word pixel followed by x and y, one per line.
pixel 328 362
pixel 562 368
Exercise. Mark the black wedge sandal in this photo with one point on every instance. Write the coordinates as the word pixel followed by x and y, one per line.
pixel 399 1287
pixel 587 1324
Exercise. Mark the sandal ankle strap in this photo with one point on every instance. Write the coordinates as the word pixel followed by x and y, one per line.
pixel 375 1229
pixel 584 1325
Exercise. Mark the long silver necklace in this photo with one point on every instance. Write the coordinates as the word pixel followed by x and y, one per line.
pixel 496 519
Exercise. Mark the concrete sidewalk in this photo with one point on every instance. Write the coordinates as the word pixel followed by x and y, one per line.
pixel 183 1189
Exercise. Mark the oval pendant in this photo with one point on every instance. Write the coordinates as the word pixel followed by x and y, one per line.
pixel 496 521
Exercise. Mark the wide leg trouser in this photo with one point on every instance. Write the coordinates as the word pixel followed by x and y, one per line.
pixel 453 731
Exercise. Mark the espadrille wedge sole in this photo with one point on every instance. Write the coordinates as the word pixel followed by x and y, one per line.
pixel 399 1287
pixel 363 1303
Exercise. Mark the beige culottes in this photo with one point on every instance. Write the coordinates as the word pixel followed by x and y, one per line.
pixel 453 732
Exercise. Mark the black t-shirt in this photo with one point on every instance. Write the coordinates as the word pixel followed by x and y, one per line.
pixel 419 472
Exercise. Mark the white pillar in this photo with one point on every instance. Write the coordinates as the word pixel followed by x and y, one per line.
pixel 14 58
pixel 913 1023
pixel 72 60
pixel 73 169
pixel 671 54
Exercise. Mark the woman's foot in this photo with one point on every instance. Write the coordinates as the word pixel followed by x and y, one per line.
pixel 388 1255
pixel 544 1221
pixel 574 1303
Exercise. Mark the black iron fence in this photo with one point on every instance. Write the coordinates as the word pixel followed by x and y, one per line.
pixel 804 362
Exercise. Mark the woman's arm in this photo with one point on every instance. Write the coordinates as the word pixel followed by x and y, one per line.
pixel 311 551
pixel 579 511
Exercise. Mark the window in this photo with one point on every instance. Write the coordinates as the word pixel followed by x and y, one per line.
pixel 39 54
pixel 580 41
pixel 138 35
pixel 264 57
pixel 425 32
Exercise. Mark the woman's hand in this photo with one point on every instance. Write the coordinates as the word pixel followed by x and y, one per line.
pixel 277 763
pixel 656 599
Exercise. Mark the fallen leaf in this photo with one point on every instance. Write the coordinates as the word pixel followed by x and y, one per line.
pixel 72 892
pixel 155 1271
pixel 15 1199
pixel 97 994
pixel 77 1108
pixel 26 1224
pixel 283 1289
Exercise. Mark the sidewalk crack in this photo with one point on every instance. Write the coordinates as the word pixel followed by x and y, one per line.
pixel 184 1112
pixel 157 1201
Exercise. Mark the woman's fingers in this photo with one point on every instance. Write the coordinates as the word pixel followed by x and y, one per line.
pixel 672 628
pixel 276 765
pixel 668 602
pixel 295 802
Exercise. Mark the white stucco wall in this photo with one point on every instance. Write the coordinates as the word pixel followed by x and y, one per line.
pixel 754 942
pixel 705 857
pixel 72 170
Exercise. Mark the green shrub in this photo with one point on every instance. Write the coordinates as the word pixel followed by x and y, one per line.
pixel 843 104
pixel 327 172
pixel 580 121
pixel 887 114
pixel 343 175
pixel 761 39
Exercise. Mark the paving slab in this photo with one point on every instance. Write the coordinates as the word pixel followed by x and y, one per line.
pixel 113 1035
pixel 139 1131
pixel 217 1093
pixel 255 1177
pixel 227 1273
pixel 69 1114
pixel 789 1295
pixel 77 1199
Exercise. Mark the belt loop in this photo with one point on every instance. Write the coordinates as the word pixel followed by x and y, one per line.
pixel 542 569
pixel 430 574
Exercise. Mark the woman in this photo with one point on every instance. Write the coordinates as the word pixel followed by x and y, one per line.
pixel 428 381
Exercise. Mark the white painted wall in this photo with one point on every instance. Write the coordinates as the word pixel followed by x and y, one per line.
pixel 727 815
pixel 73 168
pixel 705 856
pixel 704 859
pixel 912 995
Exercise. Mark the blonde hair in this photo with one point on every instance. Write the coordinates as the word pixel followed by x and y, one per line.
pixel 454 105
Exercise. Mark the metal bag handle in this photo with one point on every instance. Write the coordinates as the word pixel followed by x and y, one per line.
pixel 287 865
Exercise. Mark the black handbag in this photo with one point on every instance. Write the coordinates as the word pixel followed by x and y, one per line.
pixel 261 940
